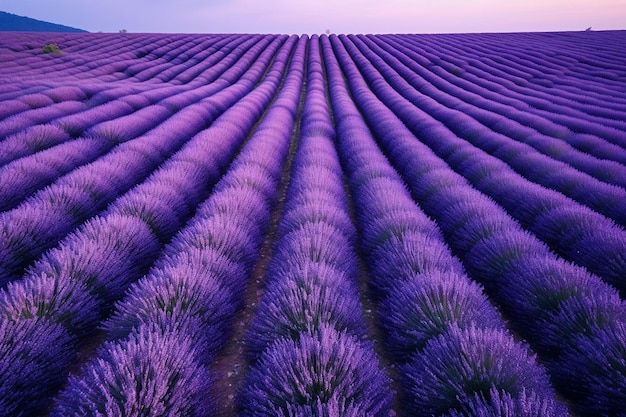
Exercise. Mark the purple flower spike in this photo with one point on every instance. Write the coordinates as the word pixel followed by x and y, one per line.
pixel 502 404
pixel 318 242
pixel 400 258
pixel 425 306
pixel 323 370
pixel 34 356
pixel 290 308
pixel 148 374
pixel 598 370
pixel 459 365
pixel 106 254
pixel 59 298
pixel 181 298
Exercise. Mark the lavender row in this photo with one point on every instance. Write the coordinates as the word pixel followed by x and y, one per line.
pixel 23 177
pixel 606 199
pixel 143 58
pixel 519 125
pixel 82 121
pixel 212 66
pixel 204 70
pixel 589 65
pixel 480 74
pixel 573 230
pixel 429 309
pixel 541 90
pixel 577 121
pixel 570 317
pixel 71 94
pixel 74 285
pixel 172 323
pixel 86 56
pixel 563 86
pixel 31 140
pixel 80 195
pixel 47 216
pixel 43 112
pixel 89 270
pixel 306 339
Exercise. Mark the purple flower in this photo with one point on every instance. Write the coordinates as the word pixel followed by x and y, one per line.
pixel 127 127
pixel 12 108
pixel 249 174
pixel 318 242
pixel 73 200
pixel 537 293
pixel 107 254
pixel 593 368
pixel 34 356
pixel 399 258
pixel 58 298
pixel 503 404
pixel 66 93
pixel 497 255
pixel 302 302
pixel 461 365
pixel 30 140
pixel 182 299
pixel 317 214
pixel 149 372
pixel 157 210
pixel 228 235
pixel 424 306
pixel 323 371
pixel 394 225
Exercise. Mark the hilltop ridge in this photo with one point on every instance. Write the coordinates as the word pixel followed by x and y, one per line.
pixel 13 23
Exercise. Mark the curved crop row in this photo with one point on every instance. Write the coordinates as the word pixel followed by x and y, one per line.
pixel 30 140
pixel 430 310
pixel 571 318
pixel 542 211
pixel 503 118
pixel 170 325
pixel 46 166
pixel 576 110
pixel 25 233
pixel 71 289
pixel 305 341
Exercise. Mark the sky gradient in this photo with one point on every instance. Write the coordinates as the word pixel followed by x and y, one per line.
pixel 337 16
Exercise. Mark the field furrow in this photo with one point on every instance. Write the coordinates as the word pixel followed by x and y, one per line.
pixel 334 225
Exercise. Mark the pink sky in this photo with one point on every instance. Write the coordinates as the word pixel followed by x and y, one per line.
pixel 339 16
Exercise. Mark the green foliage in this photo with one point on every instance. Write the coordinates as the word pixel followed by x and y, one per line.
pixel 51 48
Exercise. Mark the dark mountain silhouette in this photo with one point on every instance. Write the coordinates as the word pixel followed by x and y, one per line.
pixel 12 22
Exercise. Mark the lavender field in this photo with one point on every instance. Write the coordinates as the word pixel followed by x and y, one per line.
pixel 352 225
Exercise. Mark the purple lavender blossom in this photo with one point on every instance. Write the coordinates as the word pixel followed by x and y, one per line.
pixel 303 302
pixel 149 373
pixel 34 355
pixel 105 254
pixel 325 370
pixel 184 300
pixel 597 373
pixel 460 365
pixel 29 141
pixel 318 242
pixel 58 298
pixel 503 404
pixel 420 308
pixel 318 214
pixel 399 258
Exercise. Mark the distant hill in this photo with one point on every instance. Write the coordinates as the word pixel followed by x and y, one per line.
pixel 13 23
